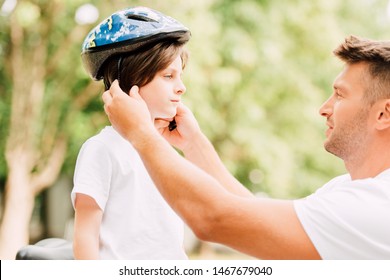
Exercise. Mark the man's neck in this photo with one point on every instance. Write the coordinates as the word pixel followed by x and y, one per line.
pixel 372 163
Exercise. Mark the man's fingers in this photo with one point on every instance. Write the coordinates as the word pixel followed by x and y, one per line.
pixel 116 91
pixel 134 92
pixel 115 88
pixel 107 99
pixel 182 109
pixel 106 96
pixel 160 123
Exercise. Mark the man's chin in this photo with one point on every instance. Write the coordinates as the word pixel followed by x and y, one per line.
pixel 328 145
pixel 331 148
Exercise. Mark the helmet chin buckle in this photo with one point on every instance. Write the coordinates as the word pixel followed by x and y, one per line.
pixel 172 125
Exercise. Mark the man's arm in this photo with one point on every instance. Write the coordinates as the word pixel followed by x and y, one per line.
pixel 198 149
pixel 202 153
pixel 263 228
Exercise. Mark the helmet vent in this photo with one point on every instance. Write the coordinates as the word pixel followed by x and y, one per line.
pixel 140 18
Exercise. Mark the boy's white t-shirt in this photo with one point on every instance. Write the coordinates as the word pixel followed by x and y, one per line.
pixel 137 222
pixel 349 219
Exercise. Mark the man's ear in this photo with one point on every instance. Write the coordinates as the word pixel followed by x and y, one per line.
pixel 383 115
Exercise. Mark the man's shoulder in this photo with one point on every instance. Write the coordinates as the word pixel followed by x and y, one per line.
pixel 343 186
pixel 333 183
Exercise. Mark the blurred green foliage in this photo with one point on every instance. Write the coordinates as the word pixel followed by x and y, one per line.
pixel 258 72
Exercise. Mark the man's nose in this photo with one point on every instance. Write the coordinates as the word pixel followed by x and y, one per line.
pixel 326 109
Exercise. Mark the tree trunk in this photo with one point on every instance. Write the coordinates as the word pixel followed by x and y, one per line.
pixel 21 188
pixel 37 139
pixel 35 150
pixel 19 204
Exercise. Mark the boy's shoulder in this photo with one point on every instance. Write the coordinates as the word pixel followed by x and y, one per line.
pixel 109 138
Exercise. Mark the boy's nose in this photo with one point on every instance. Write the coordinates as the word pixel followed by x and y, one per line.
pixel 181 88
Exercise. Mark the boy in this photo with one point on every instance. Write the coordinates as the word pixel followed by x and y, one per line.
pixel 119 214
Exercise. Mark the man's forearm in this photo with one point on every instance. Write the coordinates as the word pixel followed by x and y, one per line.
pixel 202 153
pixel 188 189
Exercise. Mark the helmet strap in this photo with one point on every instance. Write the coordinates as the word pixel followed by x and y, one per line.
pixel 119 69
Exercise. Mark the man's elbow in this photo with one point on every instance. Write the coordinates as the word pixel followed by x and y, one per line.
pixel 202 232
pixel 206 227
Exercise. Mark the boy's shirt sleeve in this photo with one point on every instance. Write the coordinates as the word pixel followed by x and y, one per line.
pixel 93 173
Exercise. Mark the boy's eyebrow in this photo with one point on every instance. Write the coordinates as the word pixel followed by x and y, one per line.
pixel 173 69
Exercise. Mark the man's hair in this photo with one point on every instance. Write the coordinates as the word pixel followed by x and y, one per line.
pixel 377 56
pixel 139 68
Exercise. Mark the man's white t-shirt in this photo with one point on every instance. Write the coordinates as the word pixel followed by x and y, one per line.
pixel 349 219
pixel 137 222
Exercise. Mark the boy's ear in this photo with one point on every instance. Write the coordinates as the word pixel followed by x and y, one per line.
pixel 383 115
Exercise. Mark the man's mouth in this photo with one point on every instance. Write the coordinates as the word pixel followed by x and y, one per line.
pixel 330 129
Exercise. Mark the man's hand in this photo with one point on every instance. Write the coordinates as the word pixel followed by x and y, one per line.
pixel 187 128
pixel 128 114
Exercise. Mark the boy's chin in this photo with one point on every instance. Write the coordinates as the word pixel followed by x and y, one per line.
pixel 170 115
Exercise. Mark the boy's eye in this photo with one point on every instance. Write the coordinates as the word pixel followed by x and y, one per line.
pixel 169 76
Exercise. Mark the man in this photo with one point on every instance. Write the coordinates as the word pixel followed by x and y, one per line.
pixel 348 218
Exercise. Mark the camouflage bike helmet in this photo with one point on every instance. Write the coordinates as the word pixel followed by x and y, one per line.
pixel 127 31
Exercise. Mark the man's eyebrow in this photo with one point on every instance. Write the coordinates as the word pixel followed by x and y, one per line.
pixel 341 89
pixel 338 86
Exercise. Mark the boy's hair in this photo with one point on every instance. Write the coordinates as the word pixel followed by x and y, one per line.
pixel 139 68
pixel 377 56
